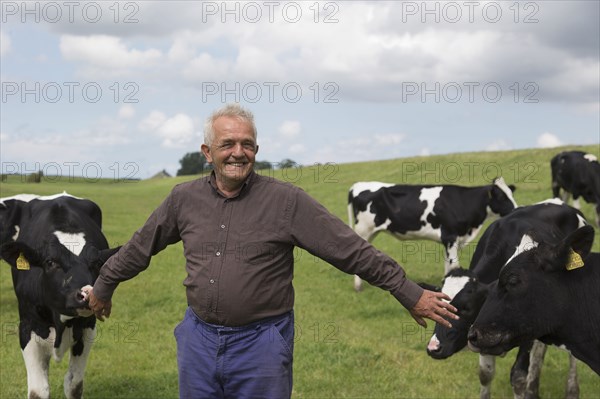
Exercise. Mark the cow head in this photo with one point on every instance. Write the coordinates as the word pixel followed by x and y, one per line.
pixel 62 273
pixel 530 285
pixel 468 295
pixel 501 201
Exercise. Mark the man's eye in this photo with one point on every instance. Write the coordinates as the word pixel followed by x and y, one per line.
pixel 249 146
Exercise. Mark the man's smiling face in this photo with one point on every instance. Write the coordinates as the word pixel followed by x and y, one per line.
pixel 232 152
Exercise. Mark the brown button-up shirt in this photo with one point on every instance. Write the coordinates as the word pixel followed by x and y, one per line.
pixel 239 251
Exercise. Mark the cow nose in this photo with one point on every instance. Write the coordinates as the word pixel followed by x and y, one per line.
pixel 81 299
pixel 474 336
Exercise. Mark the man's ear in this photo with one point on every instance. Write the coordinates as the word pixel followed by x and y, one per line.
pixel 19 255
pixel 206 151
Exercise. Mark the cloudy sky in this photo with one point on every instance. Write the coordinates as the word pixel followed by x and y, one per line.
pixel 110 88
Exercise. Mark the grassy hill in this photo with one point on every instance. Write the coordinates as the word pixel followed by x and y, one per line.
pixel 348 345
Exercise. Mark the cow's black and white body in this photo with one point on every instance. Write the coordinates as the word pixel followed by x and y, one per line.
pixel 468 289
pixel 578 174
pixel 551 292
pixel 449 214
pixel 55 247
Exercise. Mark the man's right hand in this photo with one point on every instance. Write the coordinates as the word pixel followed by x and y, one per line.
pixel 100 308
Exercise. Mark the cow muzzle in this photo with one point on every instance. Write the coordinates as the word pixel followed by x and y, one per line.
pixel 487 343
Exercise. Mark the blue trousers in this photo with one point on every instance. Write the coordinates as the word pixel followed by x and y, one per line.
pixel 253 361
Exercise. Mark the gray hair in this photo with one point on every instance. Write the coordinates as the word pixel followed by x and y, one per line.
pixel 231 110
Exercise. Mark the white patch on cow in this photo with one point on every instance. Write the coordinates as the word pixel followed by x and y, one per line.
pixel 19 197
pixel 30 197
pixel 582 221
pixel 501 184
pixel 551 201
pixel 55 196
pixel 17 231
pixel 453 285
pixel 372 186
pixel 365 224
pixel 591 157
pixel 434 344
pixel 36 355
pixel 64 318
pixel 73 242
pixel 527 243
pixel 429 195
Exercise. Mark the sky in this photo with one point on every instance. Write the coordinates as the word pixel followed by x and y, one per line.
pixel 122 89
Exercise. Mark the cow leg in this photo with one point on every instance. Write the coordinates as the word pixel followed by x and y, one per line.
pixel 572 382
pixel 357 283
pixel 73 383
pixel 487 369
pixel 518 372
pixel 368 237
pixel 451 261
pixel 36 355
pixel 536 359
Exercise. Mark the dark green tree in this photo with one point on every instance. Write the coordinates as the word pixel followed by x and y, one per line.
pixel 287 163
pixel 192 163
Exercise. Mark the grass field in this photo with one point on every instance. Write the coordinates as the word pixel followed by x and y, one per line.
pixel 348 345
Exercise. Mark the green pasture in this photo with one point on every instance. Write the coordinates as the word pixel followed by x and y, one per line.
pixel 348 344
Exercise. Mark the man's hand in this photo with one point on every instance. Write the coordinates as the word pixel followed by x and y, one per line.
pixel 432 306
pixel 100 308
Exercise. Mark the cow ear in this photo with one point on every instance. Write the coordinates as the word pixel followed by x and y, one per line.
pixel 573 249
pixel 19 255
pixel 430 287
pixel 97 258
pixel 105 254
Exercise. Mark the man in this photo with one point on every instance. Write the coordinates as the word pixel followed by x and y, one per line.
pixel 239 230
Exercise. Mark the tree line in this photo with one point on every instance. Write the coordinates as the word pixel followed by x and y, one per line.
pixel 194 163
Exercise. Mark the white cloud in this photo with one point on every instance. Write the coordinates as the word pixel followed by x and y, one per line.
pixel 290 129
pixel 389 139
pixel 498 145
pixel 5 43
pixel 106 55
pixel 175 132
pixel 548 140
pixel 126 111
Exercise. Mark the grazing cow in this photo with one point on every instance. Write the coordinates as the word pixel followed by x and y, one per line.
pixel 448 214
pixel 549 292
pixel 578 174
pixel 469 288
pixel 55 247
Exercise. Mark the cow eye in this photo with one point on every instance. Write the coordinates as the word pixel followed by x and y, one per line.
pixel 513 280
pixel 52 264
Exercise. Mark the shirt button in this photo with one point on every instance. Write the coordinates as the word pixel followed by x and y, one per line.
pixel 218 254
pixel 212 281
pixel 222 226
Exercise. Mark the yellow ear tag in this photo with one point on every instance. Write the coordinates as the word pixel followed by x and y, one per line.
pixel 22 263
pixel 575 261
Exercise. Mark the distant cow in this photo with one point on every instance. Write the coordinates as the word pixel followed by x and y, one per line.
pixel 549 292
pixel 448 214
pixel 55 247
pixel 469 288
pixel 578 174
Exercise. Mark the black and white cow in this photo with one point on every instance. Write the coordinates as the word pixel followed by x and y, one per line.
pixel 469 288
pixel 452 215
pixel 55 247
pixel 578 174
pixel 549 292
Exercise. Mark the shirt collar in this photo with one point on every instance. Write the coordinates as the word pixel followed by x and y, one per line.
pixel 245 185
